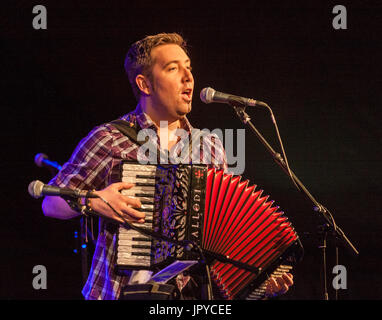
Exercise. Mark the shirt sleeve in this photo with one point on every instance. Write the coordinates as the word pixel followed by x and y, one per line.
pixel 90 163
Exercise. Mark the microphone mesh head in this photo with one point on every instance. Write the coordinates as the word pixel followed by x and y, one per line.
pixel 207 94
pixel 35 189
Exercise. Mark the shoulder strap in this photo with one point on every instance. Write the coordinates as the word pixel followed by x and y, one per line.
pixel 129 129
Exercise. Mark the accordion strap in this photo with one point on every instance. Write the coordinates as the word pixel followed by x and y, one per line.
pixel 129 129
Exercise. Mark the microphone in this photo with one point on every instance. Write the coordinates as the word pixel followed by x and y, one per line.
pixel 209 95
pixel 37 189
pixel 41 159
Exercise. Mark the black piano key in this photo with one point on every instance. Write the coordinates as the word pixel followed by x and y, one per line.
pixel 147 202
pixel 140 239
pixel 146 254
pixel 144 195
pixel 143 176
pixel 140 246
pixel 144 184
pixel 143 210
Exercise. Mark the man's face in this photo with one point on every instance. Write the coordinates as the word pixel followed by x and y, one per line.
pixel 172 83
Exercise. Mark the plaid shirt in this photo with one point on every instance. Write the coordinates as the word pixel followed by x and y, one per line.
pixel 94 165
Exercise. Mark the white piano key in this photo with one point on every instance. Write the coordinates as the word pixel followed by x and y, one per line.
pixel 132 237
pixel 138 189
pixel 139 174
pixel 132 262
pixel 135 180
pixel 139 168
pixel 130 242
pixel 123 231
pixel 148 207
pixel 128 257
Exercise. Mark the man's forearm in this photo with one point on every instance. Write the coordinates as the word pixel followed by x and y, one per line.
pixel 56 207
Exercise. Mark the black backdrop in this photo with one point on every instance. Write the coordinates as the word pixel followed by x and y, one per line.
pixel 322 84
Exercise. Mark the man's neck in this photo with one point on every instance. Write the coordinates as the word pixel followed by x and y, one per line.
pixel 166 131
pixel 149 110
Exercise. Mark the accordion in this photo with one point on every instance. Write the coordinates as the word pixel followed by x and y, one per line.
pixel 245 238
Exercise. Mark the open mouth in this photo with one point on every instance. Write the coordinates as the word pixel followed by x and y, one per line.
pixel 187 95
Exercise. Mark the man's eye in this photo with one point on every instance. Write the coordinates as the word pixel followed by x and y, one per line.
pixel 172 68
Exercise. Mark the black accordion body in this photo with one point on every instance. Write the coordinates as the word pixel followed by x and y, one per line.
pixel 244 237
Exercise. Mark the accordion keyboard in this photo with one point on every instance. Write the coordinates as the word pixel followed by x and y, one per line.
pixel 134 248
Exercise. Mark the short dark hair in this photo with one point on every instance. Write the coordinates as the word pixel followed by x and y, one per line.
pixel 138 59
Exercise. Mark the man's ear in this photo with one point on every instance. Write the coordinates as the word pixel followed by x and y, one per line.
pixel 143 84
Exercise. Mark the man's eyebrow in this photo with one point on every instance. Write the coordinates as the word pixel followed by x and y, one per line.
pixel 175 61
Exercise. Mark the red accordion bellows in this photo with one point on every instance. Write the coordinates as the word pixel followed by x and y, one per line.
pixel 244 226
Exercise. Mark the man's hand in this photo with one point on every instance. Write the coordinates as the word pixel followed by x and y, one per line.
pixel 278 285
pixel 124 205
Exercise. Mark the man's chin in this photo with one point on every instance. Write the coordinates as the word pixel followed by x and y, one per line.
pixel 184 111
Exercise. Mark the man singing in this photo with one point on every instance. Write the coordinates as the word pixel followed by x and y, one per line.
pixel 160 73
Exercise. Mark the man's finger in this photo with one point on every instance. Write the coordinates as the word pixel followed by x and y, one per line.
pixel 134 214
pixel 288 278
pixel 118 186
pixel 271 288
pixel 282 285
pixel 274 285
pixel 133 202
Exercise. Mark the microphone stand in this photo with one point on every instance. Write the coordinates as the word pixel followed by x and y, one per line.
pixel 329 226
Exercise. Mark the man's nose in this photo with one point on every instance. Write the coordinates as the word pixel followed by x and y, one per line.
pixel 187 75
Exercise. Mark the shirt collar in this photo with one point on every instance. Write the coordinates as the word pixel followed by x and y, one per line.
pixel 145 122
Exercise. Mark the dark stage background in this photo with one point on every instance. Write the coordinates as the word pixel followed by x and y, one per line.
pixel 324 86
